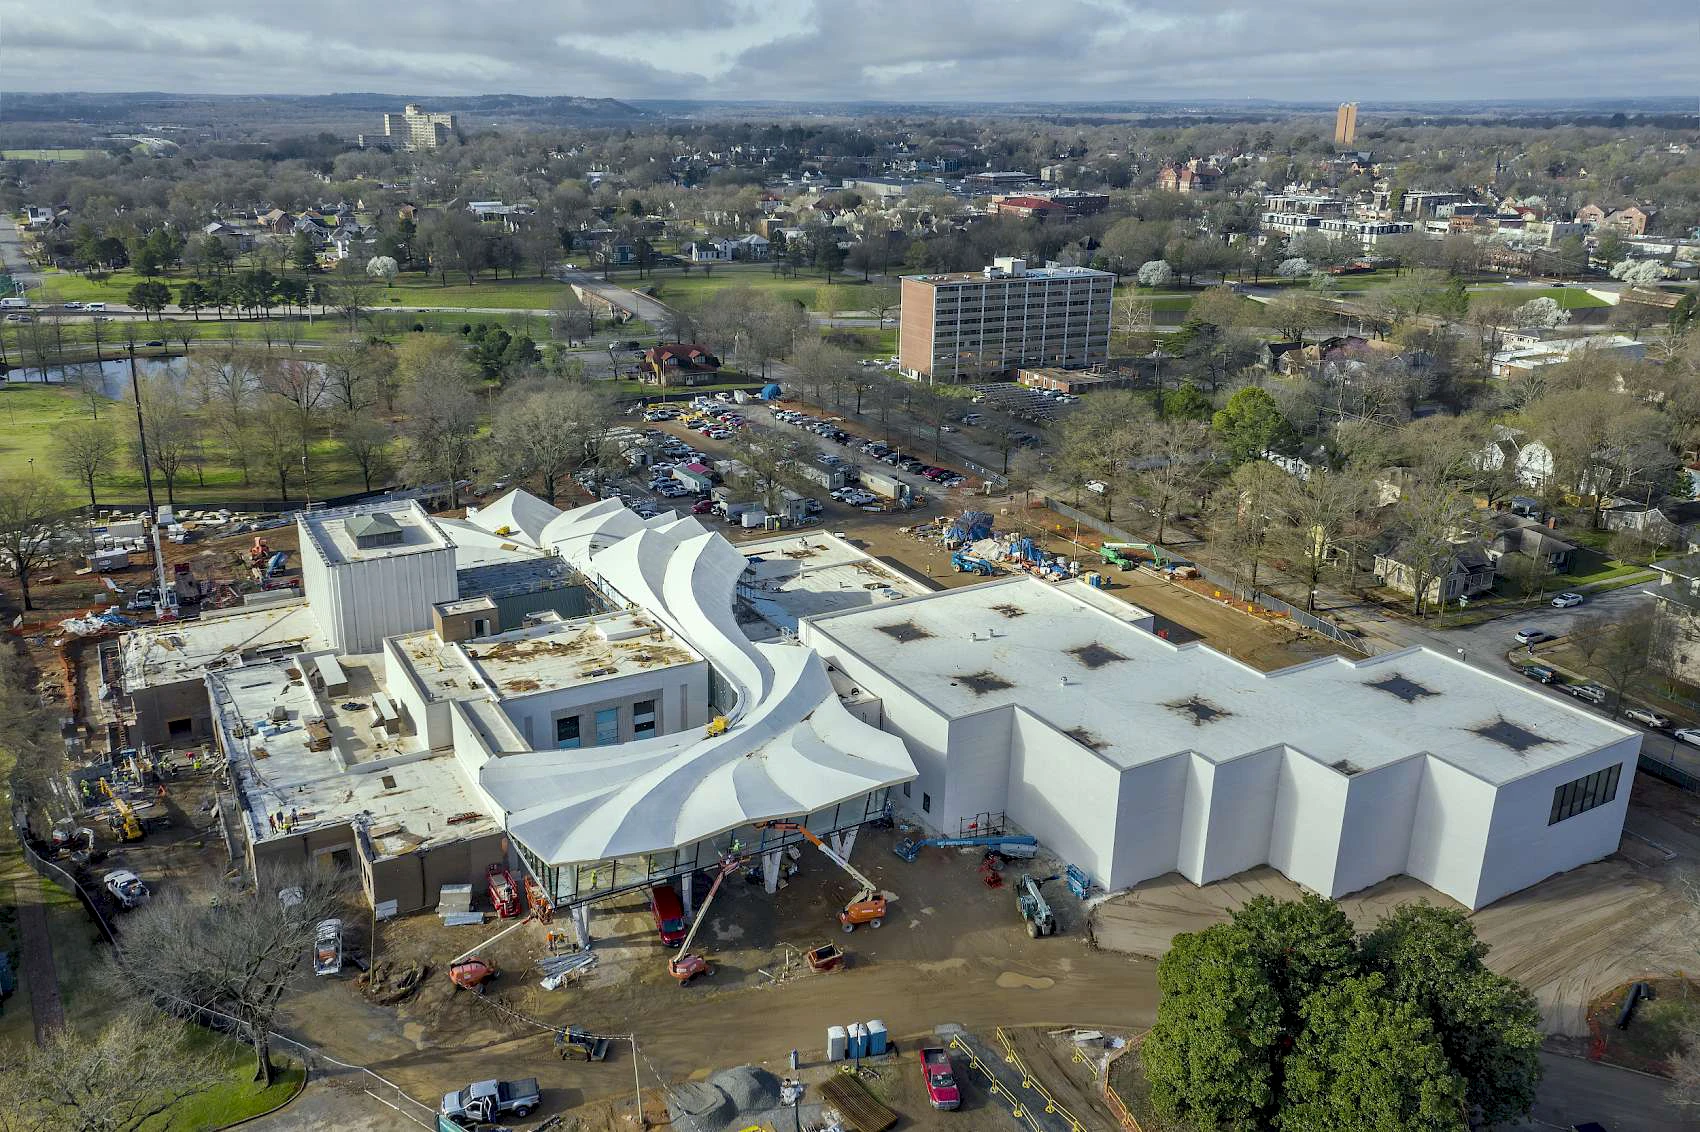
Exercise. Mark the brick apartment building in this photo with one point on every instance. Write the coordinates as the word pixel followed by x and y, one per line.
pixel 971 325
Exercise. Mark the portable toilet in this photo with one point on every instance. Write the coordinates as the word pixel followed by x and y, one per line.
pixel 858 1040
pixel 837 1043
pixel 876 1038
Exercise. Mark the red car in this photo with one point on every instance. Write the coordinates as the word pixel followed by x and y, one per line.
pixel 669 914
pixel 942 1089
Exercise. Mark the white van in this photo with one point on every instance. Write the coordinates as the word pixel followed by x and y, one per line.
pixel 94 306
pixel 14 303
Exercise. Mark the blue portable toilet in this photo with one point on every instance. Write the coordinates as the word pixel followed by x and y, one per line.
pixel 858 1040
pixel 876 1038
pixel 771 391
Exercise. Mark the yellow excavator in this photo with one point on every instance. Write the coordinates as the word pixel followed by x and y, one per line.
pixel 126 826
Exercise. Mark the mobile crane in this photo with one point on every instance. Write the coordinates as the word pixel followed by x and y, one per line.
pixel 868 906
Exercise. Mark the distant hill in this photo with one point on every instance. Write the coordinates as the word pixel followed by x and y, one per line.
pixel 272 115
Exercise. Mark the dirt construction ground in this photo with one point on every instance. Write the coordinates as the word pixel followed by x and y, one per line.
pixel 952 951
pixel 1568 939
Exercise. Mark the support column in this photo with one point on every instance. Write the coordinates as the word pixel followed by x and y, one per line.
pixel 687 894
pixel 581 925
pixel 770 861
pixel 842 843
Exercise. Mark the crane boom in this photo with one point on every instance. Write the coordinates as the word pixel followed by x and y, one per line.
pixel 727 867
pixel 869 888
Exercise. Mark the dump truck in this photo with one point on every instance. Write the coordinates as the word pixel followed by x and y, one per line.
pixel 942 1090
pixel 486 1100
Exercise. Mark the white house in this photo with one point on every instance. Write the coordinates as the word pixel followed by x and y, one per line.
pixel 1133 757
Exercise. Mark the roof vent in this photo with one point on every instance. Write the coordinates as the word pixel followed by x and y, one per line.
pixel 373 530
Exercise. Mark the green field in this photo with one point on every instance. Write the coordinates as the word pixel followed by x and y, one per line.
pixel 49 154
pixel 689 291
pixel 412 289
pixel 1570 298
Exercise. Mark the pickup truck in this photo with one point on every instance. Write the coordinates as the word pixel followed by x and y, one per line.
pixel 486 1100
pixel 942 1090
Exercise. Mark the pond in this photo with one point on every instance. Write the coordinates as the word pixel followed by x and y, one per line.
pixel 113 374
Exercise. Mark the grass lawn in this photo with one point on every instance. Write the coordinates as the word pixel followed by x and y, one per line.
pixel 690 290
pixel 29 415
pixel 415 289
pixel 1569 298
pixel 238 1097
pixel 49 154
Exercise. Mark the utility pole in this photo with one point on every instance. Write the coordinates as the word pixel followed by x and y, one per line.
pixel 147 482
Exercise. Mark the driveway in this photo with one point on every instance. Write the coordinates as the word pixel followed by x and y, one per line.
pixel 332 1102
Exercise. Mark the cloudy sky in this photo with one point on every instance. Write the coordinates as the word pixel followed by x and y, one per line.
pixel 959 50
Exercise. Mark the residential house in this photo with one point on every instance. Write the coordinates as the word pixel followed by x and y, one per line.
pixel 708 251
pixel 1507 534
pixel 1511 448
pixel 751 247
pixel 1192 177
pixel 277 222
pixel 1467 571
pixel 237 239
pixel 680 363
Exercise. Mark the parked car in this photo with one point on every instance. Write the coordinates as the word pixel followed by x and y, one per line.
pixel 126 888
pixel 669 914
pixel 327 948
pixel 1588 693
pixel 1540 673
pixel 942 1090
pixel 486 1100
pixel 1689 735
pixel 1567 600
pixel 1532 636
pixel 1097 487
pixel 1647 717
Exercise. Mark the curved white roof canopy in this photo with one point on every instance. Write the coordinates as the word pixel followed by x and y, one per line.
pixel 792 749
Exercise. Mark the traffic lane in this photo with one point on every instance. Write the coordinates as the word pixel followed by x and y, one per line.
pixel 1486 644
pixel 1574 1091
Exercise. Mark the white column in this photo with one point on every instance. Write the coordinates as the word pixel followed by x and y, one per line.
pixel 581 925
pixel 770 860
pixel 687 893
pixel 842 843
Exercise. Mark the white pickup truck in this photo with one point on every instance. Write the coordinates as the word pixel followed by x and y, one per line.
pixel 486 1100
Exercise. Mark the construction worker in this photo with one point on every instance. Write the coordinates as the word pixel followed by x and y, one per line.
pixel 271 819
pixel 88 795
pixel 161 792
pixel 293 817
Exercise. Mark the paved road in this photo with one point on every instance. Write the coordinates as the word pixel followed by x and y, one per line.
pixel 1574 1091
pixel 334 1103
pixel 646 308
pixel 38 972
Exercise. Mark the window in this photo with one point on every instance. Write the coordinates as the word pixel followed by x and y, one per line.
pixel 566 732
pixel 607 726
pixel 926 803
pixel 179 727
pixel 906 793
pixel 1584 794
pixel 643 719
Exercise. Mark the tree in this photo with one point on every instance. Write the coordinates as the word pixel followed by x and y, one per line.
pixel 1542 312
pixel 820 367
pixel 1295 313
pixel 1429 519
pixel 1363 1061
pixel 1251 424
pixel 32 510
pixel 546 432
pixel 383 267
pixel 192 297
pixel 86 450
pixel 355 370
pixel 1489 1025
pixel 1155 273
pixel 303 256
pixel 301 386
pixel 122 1079
pixel 1620 650
pixel 441 428
pixel 829 257
pixel 1293 267
pixel 367 441
pixel 1097 446
pixel 882 301
pixel 150 298
pixel 1171 459
pixel 1281 1018
pixel 171 434
pixel 351 293
pixel 572 321
pixel 247 951
pixel 1315 518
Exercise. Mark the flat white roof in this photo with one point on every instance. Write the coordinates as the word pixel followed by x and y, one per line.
pixel 402 794
pixel 1072 656
pixel 175 651
pixel 328 532
pixel 805 575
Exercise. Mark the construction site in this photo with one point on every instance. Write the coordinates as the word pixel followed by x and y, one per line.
pixel 742 828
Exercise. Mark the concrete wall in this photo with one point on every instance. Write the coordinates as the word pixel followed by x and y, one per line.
pixel 1241 814
pixel 922 727
pixel 360 603
pixel 1522 848
pixel 1375 836
pixel 1062 793
pixel 1449 830
pixel 156 707
pixel 415 880
pixel 681 692
pixel 1149 812
pixel 428 719
pixel 1304 838
pixel 979 766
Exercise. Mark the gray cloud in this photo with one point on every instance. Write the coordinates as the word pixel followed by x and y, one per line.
pixel 909 50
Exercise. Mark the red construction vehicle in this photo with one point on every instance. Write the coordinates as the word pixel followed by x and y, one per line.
pixel 868 906
pixel 684 966
pixel 259 552
pixel 942 1089
pixel 504 894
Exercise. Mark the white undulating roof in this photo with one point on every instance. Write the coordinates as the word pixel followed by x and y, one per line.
pixel 1072 656
pixel 519 515
pixel 791 748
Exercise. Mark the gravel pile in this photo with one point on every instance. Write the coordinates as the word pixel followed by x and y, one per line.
pixel 748 1087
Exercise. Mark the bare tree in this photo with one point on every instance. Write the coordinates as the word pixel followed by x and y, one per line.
pixel 123 1079
pixel 32 510
pixel 368 441
pixel 356 372
pixel 441 428
pixel 170 431
pixel 820 367
pixel 1620 651
pixel 547 431
pixel 1430 519
pixel 29 732
pixel 570 320
pixel 351 292
pixel 86 450
pixel 247 952
pixel 302 387
pixel 1317 518
pixel 1243 513
pixel 1097 446
pixel 1171 460
pixel 226 386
